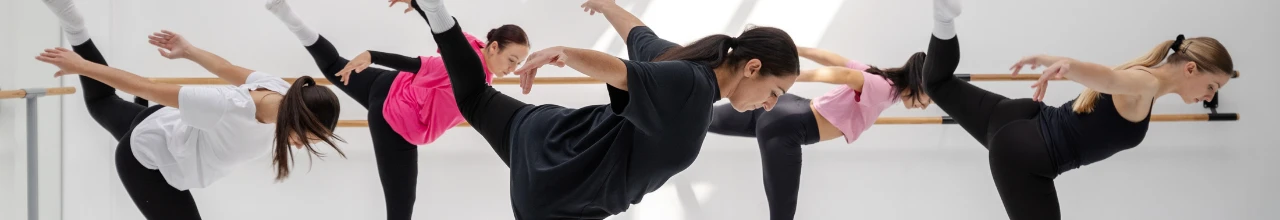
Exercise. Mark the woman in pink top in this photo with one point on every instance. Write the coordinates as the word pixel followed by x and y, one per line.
pixel 864 92
pixel 409 107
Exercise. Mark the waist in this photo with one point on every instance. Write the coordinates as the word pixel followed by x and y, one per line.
pixel 1060 134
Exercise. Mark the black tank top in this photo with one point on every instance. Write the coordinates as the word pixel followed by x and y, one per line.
pixel 1076 140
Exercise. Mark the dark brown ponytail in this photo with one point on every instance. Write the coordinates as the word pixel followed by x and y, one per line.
pixel 909 78
pixel 306 111
pixel 775 49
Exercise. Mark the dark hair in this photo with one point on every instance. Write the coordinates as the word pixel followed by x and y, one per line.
pixel 306 110
pixel 774 47
pixel 508 34
pixel 908 78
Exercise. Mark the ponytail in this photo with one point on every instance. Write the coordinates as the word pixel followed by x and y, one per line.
pixel 773 47
pixel 906 79
pixel 1087 99
pixel 710 51
pixel 306 111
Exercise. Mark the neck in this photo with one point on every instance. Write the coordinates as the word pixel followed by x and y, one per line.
pixel 724 77
pixel 1168 77
pixel 267 105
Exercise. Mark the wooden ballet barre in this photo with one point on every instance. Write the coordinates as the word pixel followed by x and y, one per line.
pixel 566 80
pixel 10 94
pixel 323 81
pixel 948 119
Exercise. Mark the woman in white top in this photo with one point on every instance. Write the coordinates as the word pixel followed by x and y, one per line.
pixel 199 134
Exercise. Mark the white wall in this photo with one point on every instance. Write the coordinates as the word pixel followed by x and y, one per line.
pixel 27 29
pixel 1183 171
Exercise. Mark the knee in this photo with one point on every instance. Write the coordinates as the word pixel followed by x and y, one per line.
pixel 777 140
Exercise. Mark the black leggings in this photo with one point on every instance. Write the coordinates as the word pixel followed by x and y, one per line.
pixel 490 112
pixel 780 133
pixel 1008 128
pixel 397 159
pixel 148 189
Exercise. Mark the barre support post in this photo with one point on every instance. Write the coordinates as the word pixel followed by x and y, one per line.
pixel 33 137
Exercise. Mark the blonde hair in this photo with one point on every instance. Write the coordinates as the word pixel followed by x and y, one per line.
pixel 1208 54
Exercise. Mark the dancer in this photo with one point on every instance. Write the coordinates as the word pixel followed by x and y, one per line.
pixel 595 161
pixel 1031 143
pixel 847 111
pixel 408 107
pixel 198 134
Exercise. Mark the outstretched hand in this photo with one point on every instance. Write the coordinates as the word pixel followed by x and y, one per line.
pixel 1056 71
pixel 356 65
pixel 406 2
pixel 172 45
pixel 67 61
pixel 537 60
pixel 596 6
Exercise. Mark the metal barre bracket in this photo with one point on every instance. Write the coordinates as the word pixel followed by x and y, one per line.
pixel 35 92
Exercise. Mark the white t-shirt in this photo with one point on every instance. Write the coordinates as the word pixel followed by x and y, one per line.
pixel 214 132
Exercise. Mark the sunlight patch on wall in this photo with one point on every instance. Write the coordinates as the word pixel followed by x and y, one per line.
pixel 684 21
pixel 806 21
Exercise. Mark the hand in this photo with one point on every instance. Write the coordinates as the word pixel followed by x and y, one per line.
pixel 536 60
pixel 68 61
pixel 407 2
pixel 1055 72
pixel 1033 61
pixel 172 45
pixel 357 64
pixel 596 6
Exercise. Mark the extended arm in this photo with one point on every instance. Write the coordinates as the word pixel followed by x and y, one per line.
pixel 622 20
pixel 834 75
pixel 174 46
pixel 236 75
pixel 1105 79
pixel 597 65
pixel 824 57
pixel 395 61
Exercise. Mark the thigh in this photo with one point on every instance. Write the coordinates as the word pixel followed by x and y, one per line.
pixel 1023 173
pixel 1008 111
pixel 968 105
pixel 153 196
pixel 728 121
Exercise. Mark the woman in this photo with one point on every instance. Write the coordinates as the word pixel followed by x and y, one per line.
pixel 1030 143
pixel 198 134
pixel 848 110
pixel 595 161
pixel 408 107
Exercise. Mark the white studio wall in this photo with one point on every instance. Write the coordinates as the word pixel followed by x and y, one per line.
pixel 28 28
pixel 1188 170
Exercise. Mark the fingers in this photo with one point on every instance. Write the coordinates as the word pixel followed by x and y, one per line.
pixel 164 53
pixel 60 73
pixel 346 79
pixel 63 49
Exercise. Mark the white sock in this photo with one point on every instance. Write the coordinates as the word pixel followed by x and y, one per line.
pixel 72 22
pixel 439 18
pixel 282 10
pixel 944 15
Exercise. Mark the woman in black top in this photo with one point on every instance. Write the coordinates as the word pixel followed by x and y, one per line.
pixel 595 161
pixel 1030 143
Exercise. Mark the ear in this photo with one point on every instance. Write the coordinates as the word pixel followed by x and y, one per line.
pixel 752 68
pixel 1190 67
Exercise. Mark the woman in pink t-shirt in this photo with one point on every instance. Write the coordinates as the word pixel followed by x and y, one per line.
pixel 408 107
pixel 864 92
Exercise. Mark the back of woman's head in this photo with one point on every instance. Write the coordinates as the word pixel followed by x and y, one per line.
pixel 907 79
pixel 506 35
pixel 308 114
pixel 1207 53
pixel 773 47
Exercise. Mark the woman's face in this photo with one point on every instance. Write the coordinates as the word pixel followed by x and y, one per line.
pixel 502 62
pixel 756 90
pixel 1199 85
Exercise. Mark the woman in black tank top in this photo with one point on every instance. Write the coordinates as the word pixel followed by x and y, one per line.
pixel 1030 143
